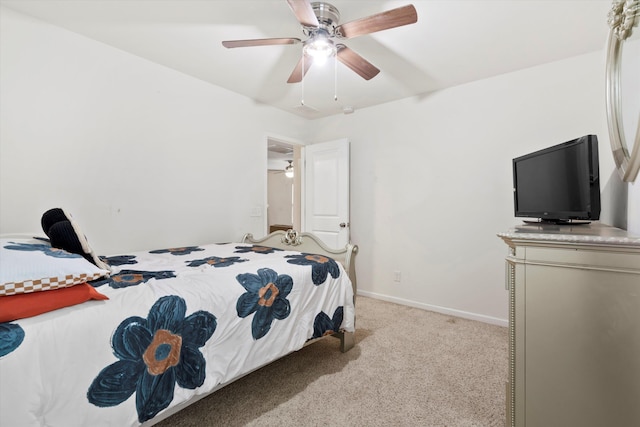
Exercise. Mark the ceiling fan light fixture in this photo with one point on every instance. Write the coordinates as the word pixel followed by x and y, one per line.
pixel 320 47
pixel 288 171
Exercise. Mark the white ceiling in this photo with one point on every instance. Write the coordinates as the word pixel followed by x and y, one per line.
pixel 453 42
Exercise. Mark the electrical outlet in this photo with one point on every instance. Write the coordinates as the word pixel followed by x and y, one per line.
pixel 396 276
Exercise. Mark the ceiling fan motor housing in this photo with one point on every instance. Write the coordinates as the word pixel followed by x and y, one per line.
pixel 327 14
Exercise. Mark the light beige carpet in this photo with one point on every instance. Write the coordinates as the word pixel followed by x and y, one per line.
pixel 409 367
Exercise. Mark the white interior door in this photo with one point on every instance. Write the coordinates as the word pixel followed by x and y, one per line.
pixel 326 192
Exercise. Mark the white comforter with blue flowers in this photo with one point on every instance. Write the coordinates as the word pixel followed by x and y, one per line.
pixel 178 323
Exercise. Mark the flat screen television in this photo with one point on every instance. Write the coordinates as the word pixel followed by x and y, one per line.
pixel 559 184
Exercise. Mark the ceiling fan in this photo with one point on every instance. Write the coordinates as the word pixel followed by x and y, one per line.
pixel 319 22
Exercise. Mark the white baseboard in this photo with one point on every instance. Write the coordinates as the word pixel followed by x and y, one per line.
pixel 437 309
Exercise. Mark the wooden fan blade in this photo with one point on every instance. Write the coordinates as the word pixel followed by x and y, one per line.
pixel 304 12
pixel 382 21
pixel 357 63
pixel 297 74
pixel 259 42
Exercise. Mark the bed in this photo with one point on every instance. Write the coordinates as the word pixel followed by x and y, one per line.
pixel 164 328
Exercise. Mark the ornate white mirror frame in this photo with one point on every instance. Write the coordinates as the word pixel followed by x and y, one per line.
pixel 623 16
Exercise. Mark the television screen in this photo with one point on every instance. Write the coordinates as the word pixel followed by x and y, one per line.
pixel 559 183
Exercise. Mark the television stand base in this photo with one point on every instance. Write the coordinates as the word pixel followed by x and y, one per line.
pixel 557 222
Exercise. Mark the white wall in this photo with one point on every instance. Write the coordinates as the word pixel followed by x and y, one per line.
pixel 141 155
pixel 432 182
pixel 634 208
pixel 630 99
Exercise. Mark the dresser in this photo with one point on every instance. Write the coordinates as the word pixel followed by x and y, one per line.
pixel 574 326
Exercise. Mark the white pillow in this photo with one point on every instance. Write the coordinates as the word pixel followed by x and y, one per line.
pixel 32 265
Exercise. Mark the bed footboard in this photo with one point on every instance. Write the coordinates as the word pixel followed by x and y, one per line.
pixel 309 243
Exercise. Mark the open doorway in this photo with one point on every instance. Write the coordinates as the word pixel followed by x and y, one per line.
pixel 316 198
pixel 284 185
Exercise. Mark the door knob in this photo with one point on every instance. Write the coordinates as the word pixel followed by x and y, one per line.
pixel 343 225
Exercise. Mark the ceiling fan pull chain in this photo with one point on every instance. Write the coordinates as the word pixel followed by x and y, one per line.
pixel 335 77
pixel 302 80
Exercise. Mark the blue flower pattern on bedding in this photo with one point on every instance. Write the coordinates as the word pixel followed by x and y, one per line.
pixel 46 249
pixel 266 296
pixel 119 260
pixel 323 325
pixel 215 261
pixel 11 336
pixel 154 355
pixel 126 278
pixel 321 266
pixel 256 249
pixel 186 250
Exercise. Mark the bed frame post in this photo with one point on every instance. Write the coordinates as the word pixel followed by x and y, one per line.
pixel 347 341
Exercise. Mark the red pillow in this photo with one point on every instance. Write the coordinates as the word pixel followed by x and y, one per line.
pixel 20 306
